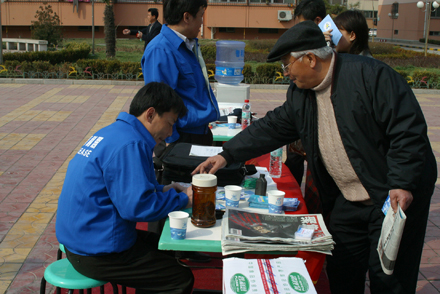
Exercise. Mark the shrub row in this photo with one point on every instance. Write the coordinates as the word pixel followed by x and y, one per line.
pixel 436 42
pixel 71 53
pixel 97 68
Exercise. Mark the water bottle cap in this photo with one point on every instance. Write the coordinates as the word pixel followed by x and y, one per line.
pixel 247 100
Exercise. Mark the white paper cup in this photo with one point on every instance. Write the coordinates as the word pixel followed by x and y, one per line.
pixel 232 121
pixel 276 199
pixel 232 195
pixel 178 223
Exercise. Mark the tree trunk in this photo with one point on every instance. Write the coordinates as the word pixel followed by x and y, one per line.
pixel 109 31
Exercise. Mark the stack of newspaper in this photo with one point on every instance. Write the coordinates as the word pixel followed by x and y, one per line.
pixel 244 231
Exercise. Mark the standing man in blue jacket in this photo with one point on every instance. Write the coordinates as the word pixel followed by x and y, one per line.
pixel 174 57
pixel 110 185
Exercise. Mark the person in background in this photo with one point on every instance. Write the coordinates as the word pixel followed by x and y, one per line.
pixel 152 30
pixel 110 185
pixel 365 137
pixel 354 29
pixel 310 10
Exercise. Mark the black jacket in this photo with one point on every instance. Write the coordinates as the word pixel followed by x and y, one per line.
pixel 147 34
pixel 380 122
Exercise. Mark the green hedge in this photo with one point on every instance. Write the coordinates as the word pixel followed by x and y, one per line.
pixel 71 53
pixel 436 42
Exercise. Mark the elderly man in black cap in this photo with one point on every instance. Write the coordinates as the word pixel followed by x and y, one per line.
pixel 365 137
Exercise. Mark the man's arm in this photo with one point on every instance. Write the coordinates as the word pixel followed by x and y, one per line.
pixel 131 184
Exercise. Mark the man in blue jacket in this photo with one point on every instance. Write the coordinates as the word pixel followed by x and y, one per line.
pixel 110 185
pixel 174 57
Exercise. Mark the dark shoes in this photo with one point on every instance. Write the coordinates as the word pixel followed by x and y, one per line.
pixel 193 256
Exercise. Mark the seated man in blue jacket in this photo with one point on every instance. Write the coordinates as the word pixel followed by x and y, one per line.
pixel 110 185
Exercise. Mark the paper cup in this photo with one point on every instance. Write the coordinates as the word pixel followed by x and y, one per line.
pixel 178 223
pixel 276 199
pixel 232 195
pixel 232 121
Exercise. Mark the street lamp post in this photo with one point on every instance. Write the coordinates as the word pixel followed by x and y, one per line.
pixel 1 37
pixel 428 11
pixel 393 15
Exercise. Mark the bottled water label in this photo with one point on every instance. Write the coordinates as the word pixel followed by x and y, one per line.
pixel 229 71
pixel 275 164
pixel 277 153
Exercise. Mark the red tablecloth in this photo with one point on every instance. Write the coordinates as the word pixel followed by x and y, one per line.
pixel 288 184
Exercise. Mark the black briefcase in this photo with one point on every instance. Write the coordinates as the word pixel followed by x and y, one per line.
pixel 178 166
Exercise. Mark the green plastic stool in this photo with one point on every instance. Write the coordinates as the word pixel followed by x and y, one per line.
pixel 62 274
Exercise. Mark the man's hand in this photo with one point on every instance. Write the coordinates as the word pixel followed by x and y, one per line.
pixel 403 197
pixel 126 31
pixel 189 192
pixel 139 34
pixel 176 186
pixel 211 165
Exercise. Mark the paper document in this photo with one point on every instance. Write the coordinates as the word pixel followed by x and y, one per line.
pixel 328 24
pixel 206 151
pixel 389 240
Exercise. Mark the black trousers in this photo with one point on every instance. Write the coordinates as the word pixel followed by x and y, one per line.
pixel 142 266
pixel 356 229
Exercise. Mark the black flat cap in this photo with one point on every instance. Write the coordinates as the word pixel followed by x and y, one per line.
pixel 304 36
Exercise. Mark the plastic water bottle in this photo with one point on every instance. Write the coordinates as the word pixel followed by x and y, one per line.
pixel 229 62
pixel 245 115
pixel 276 163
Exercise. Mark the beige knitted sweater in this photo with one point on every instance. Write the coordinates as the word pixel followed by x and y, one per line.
pixel 331 149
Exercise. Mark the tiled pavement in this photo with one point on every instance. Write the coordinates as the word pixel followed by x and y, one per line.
pixel 43 125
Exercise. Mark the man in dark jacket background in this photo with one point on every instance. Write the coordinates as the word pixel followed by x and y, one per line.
pixel 365 137
pixel 152 30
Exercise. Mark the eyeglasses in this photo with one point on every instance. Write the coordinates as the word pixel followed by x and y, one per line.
pixel 285 68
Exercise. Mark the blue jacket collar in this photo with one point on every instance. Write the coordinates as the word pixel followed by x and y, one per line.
pixel 138 126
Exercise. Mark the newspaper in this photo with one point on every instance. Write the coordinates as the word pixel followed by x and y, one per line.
pixel 244 231
pixel 389 240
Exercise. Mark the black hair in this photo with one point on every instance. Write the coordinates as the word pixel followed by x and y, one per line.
pixel 154 12
pixel 160 96
pixel 310 9
pixel 173 10
pixel 354 21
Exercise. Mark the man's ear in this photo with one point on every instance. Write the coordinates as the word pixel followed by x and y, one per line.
pixel 317 20
pixel 310 59
pixel 186 17
pixel 149 114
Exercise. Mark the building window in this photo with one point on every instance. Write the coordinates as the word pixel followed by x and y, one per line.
pixel 225 1
pixel 370 13
pixel 226 30
pixel 268 31
pixel 87 29
pixel 396 32
pixel 436 13
pixel 271 1
pixel 431 33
